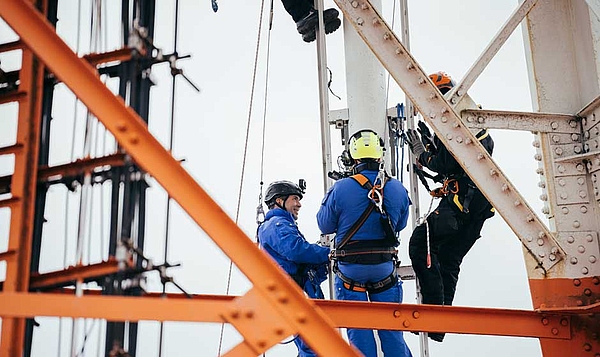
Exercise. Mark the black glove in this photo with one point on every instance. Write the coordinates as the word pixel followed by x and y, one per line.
pixel 426 137
pixel 414 143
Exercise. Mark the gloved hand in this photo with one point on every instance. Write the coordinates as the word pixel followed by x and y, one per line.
pixel 426 137
pixel 414 143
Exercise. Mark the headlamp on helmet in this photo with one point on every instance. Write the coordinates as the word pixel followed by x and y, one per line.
pixel 366 144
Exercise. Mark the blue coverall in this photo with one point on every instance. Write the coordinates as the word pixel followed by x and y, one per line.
pixel 306 263
pixel 343 204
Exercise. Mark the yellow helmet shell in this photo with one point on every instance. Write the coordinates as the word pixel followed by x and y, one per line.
pixel 366 144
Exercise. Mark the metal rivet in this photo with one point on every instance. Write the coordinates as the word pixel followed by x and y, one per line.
pixel 575 137
pixel 449 136
pixel 570 239
pixel 279 331
pixel 355 4
pixel 565 210
pixel 541 235
pixel 587 292
pixel 577 149
pixel 573 260
pixel 432 95
pixel 576 282
pixel 581 249
pixel 537 157
pixel 386 36
pixel 121 126
pixel 542 184
pixel 580 180
pixel 360 21
pixel 421 80
pixel 445 110
pixel 529 218
pixel 587 347
pixel 579 167
pixel 576 224
pixel 544 197
pixel 504 188
pixel 249 314
pixel 517 203
pixel 589 238
pixel 416 314
pixel 554 125
pixel 536 143
pixel 592 259
pixel 563 195
pixel 556 138
pixel 399 51
pixel 410 66
pixel 554 250
pixel 261 343
pixel 432 115
pixel 444 119
pixel 529 238
pixel 555 331
pixel 552 257
pixel 480 156
pixel 539 171
pixel 459 139
pixel 468 141
pixel 558 151
pixel 564 322
pixel 546 209
pixel 234 314
pixel 282 298
pixel 572 123
pixel 541 254
pixel 582 194
pixel 397 313
pixel 540 242
pixel 493 172
pixel 596 280
pixel 584 270
pixel 364 6
pixel 301 318
pixel 560 168
pixel 406 323
pixel 562 182
pixel 583 209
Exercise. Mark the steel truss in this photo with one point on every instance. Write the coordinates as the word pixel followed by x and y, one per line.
pixel 275 307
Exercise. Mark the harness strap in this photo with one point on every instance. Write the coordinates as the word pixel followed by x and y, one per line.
pixel 336 253
pixel 372 288
pixel 356 226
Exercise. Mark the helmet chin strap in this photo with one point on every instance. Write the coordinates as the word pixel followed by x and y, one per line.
pixel 282 206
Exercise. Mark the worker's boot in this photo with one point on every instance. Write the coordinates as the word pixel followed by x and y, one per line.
pixel 329 28
pixel 307 26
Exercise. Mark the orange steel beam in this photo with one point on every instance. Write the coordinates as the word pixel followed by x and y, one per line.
pixel 120 55
pixel 11 46
pixel 81 166
pixel 270 280
pixel 23 189
pixel 72 274
pixel 12 97
pixel 218 309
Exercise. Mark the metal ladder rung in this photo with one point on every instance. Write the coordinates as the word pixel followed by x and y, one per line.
pixel 12 97
pixel 9 202
pixel 7 255
pixel 13 149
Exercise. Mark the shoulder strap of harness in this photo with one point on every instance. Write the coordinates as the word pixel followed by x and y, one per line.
pixel 364 182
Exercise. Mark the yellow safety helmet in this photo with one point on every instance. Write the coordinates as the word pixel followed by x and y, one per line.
pixel 366 144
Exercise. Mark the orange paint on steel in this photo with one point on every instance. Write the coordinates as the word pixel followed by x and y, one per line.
pixel 131 132
pixel 84 273
pixel 571 296
pixel 11 97
pixel 11 46
pixel 219 308
pixel 23 190
pixel 81 166
pixel 120 55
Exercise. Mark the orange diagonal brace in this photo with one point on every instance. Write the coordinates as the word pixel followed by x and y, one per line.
pixel 133 135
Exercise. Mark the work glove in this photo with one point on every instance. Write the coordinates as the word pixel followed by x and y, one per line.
pixel 426 137
pixel 414 143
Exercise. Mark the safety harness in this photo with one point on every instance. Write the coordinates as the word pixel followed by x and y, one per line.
pixel 368 252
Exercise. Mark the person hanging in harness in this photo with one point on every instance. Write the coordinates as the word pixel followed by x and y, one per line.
pixel 279 236
pixel 438 245
pixel 366 211
pixel 307 19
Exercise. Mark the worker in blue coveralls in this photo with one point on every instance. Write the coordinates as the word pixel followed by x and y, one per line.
pixel 437 247
pixel 279 236
pixel 307 19
pixel 366 211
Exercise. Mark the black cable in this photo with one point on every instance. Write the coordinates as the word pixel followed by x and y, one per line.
pixel 171 131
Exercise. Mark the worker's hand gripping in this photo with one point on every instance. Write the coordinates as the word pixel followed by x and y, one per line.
pixel 414 143
pixel 426 137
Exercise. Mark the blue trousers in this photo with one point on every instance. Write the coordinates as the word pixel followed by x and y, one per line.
pixel 392 342
pixel 303 349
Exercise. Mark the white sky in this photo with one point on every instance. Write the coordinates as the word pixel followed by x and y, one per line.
pixel 210 132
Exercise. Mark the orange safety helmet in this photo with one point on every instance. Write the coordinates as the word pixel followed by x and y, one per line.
pixel 443 81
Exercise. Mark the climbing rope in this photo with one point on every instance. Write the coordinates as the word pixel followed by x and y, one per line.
pixel 244 157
